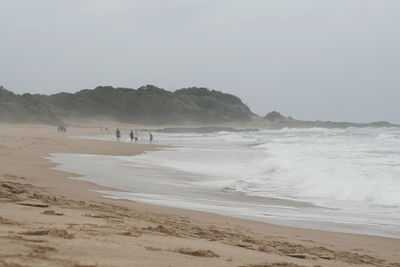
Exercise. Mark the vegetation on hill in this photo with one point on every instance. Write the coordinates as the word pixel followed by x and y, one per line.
pixel 147 104
pixel 25 108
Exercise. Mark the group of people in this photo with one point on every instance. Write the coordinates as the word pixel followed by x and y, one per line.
pixel 62 129
pixel 134 136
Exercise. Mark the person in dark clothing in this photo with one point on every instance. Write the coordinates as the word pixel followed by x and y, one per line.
pixel 131 136
pixel 118 134
pixel 151 137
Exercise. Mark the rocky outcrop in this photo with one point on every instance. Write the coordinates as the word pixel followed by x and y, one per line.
pixel 275 119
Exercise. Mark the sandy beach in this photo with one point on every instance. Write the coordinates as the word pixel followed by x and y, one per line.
pixel 47 219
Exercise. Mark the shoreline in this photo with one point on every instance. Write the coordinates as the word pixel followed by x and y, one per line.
pixel 230 204
pixel 161 228
pixel 157 178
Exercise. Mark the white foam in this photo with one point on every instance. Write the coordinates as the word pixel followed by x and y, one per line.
pixel 355 171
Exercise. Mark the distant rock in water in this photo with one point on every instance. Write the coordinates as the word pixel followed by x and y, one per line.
pixel 209 129
pixel 274 116
pixel 276 120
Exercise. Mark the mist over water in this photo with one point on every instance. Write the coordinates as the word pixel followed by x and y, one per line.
pixel 335 179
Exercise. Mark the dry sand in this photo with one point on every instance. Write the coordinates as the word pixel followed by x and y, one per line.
pixel 47 219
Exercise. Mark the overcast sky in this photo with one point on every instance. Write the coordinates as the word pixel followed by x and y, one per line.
pixel 321 59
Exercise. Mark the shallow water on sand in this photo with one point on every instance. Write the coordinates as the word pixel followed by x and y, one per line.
pixel 345 180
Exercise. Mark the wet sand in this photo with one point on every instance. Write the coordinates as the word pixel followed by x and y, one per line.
pixel 47 219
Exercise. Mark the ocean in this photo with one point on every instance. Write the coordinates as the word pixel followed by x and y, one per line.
pixel 344 180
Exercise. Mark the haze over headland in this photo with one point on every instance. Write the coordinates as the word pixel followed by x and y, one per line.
pixel 326 60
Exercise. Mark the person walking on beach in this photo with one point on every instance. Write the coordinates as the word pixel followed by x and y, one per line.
pixel 131 136
pixel 136 136
pixel 118 134
pixel 151 137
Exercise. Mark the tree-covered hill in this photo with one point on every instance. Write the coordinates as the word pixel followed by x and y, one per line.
pixel 25 108
pixel 147 104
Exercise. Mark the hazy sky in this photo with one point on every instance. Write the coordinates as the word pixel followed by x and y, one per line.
pixel 321 59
